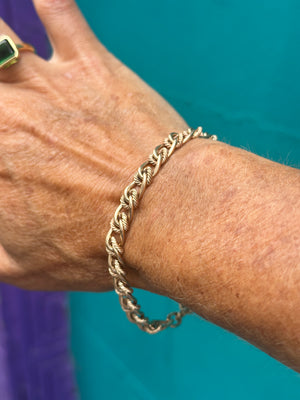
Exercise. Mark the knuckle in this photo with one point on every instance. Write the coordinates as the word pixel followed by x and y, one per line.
pixel 94 66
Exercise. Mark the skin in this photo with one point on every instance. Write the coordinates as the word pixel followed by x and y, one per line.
pixel 217 230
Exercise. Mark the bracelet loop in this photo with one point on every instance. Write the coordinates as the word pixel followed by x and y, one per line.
pixel 120 224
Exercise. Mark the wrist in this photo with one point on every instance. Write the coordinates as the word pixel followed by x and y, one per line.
pixel 161 223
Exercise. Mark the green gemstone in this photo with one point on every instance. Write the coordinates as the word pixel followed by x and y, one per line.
pixel 6 51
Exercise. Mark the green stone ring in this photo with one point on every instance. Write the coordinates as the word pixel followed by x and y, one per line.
pixel 10 52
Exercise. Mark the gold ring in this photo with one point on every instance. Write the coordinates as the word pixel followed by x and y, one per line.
pixel 10 51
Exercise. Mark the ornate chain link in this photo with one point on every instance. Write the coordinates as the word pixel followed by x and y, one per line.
pixel 120 223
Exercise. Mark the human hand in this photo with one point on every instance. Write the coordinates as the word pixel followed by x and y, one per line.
pixel 73 132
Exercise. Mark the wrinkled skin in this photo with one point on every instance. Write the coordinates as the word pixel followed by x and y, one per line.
pixel 74 130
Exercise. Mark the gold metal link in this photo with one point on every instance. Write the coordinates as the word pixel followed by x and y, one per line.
pixel 120 224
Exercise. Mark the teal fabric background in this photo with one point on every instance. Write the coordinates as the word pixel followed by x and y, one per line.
pixel 233 67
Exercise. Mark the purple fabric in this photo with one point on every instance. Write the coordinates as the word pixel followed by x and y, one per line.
pixel 35 363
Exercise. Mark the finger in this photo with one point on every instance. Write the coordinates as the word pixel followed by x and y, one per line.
pixel 9 269
pixel 67 29
pixel 6 74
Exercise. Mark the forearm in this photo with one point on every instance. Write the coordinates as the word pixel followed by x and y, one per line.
pixel 218 230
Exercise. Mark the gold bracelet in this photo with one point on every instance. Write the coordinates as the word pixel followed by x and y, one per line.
pixel 120 223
